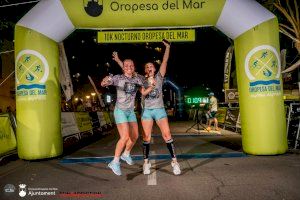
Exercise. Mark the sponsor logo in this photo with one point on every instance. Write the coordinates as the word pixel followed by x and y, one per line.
pixel 93 8
pixel 262 67
pixel 32 71
pixel 9 188
pixel 22 190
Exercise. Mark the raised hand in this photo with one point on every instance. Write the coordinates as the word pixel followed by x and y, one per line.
pixel 106 81
pixel 166 43
pixel 163 66
pixel 115 57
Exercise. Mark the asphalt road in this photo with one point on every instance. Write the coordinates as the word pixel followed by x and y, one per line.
pixel 213 167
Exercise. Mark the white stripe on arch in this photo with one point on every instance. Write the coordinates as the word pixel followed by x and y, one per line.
pixel 239 16
pixel 49 18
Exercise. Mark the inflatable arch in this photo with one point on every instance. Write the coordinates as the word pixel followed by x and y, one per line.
pixel 253 28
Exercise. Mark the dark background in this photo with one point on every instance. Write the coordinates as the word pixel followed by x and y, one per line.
pixel 192 64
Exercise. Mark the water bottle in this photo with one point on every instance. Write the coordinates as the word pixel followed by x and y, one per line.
pixel 110 78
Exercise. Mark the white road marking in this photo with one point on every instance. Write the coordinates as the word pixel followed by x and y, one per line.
pixel 152 176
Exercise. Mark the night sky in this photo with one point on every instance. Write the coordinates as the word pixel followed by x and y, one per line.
pixel 191 64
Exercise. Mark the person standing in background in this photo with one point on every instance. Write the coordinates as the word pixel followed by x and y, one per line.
pixel 213 109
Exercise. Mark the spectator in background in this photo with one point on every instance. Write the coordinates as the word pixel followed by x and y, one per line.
pixel 212 111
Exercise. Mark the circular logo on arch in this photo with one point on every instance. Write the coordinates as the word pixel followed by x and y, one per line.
pixel 32 67
pixel 32 72
pixel 262 67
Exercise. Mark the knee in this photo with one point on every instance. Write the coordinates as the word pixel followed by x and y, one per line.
pixel 167 137
pixel 134 138
pixel 124 139
pixel 147 138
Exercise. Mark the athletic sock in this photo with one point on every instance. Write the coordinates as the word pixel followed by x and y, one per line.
pixel 126 153
pixel 171 147
pixel 116 159
pixel 146 149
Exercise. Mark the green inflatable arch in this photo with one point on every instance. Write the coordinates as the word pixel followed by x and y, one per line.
pixel 253 29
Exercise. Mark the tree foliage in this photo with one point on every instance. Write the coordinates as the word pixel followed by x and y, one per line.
pixel 287 12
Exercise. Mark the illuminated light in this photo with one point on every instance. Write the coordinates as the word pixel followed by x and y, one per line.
pixel 158 49
pixel 158 62
pixel 93 94
pixel 108 99
pixel 197 100
pixel 76 75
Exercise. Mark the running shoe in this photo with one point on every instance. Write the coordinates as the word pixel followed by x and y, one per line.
pixel 127 159
pixel 176 168
pixel 146 168
pixel 115 167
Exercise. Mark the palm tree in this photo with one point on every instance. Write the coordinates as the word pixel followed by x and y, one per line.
pixel 289 25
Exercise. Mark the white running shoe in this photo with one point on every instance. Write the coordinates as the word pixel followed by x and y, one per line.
pixel 176 168
pixel 146 168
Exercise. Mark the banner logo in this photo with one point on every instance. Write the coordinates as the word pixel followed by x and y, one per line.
pixel 22 190
pixel 262 67
pixel 9 188
pixel 93 8
pixel 231 95
pixel 32 71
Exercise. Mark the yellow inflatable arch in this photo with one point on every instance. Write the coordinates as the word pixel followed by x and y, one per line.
pixel 253 29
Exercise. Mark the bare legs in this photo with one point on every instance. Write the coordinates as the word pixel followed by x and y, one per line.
pixel 163 125
pixel 215 123
pixel 128 132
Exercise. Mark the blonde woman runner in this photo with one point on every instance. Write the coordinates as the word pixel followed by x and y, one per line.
pixel 127 85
